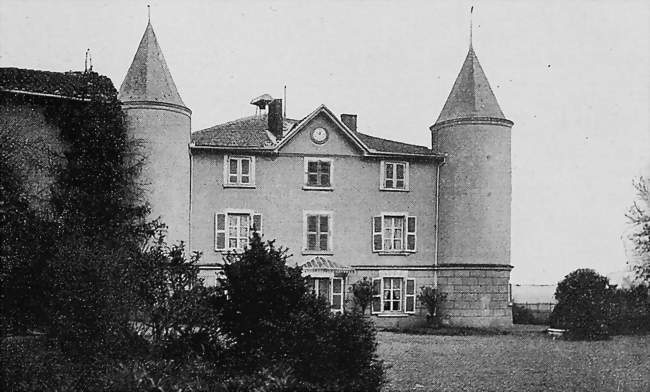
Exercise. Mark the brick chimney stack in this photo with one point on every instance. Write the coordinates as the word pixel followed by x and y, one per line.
pixel 275 120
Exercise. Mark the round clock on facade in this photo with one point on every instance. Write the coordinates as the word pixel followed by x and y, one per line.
pixel 319 135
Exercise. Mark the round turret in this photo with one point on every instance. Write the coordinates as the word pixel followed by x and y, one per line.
pixel 160 121
pixel 474 198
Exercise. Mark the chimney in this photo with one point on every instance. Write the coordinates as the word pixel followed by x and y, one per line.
pixel 350 120
pixel 275 118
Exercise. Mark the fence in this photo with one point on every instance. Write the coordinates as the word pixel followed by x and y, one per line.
pixel 532 313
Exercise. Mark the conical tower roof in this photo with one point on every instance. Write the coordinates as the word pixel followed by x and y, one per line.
pixel 148 78
pixel 471 96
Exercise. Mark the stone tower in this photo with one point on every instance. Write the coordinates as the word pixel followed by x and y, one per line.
pixel 475 193
pixel 157 116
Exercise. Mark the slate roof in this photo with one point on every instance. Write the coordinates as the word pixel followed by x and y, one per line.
pixel 471 95
pixel 251 132
pixel 148 78
pixel 390 146
pixel 244 132
pixel 74 85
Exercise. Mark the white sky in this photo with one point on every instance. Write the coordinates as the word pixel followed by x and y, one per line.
pixel 573 76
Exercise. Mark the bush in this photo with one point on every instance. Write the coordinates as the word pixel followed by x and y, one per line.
pixel 630 310
pixel 583 304
pixel 432 298
pixel 522 315
pixel 274 319
pixel 362 294
pixel 175 312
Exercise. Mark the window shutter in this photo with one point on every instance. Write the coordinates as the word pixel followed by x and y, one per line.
pixel 376 296
pixel 219 231
pixel 411 234
pixel 410 296
pixel 257 223
pixel 377 240
pixel 337 294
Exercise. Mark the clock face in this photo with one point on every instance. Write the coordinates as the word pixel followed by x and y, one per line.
pixel 319 135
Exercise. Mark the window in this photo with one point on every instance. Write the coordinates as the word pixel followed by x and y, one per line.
pixel 329 288
pixel 393 295
pixel 233 229
pixel 394 176
pixel 318 232
pixel 239 171
pixel 394 233
pixel 318 173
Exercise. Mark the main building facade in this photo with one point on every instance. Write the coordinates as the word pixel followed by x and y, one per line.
pixel 348 205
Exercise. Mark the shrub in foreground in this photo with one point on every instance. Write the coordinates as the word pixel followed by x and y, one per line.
pixel 583 303
pixel 274 319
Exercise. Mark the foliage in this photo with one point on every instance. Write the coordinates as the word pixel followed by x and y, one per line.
pixel 274 319
pixel 639 216
pixel 522 315
pixel 176 313
pixel 583 303
pixel 432 298
pixel 362 294
pixel 630 310
pixel 21 254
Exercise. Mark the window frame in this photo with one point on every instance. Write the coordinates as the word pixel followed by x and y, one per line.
pixel 330 234
pixel 405 296
pixel 310 187
pixel 408 235
pixel 316 289
pixel 382 176
pixel 226 171
pixel 253 216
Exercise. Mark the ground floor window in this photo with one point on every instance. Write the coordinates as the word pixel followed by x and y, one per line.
pixel 329 288
pixel 393 295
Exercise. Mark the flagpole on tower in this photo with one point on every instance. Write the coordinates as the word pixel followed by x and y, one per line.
pixel 471 12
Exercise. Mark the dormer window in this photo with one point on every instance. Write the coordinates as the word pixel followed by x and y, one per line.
pixel 239 171
pixel 394 176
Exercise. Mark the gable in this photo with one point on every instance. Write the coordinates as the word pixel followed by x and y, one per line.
pixel 338 141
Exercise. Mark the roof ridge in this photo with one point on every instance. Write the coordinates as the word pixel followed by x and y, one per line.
pixel 390 140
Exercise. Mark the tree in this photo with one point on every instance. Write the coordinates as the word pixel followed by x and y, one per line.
pixel 583 303
pixel 639 216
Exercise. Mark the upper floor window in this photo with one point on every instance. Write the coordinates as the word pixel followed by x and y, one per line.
pixel 394 233
pixel 233 229
pixel 239 171
pixel 318 232
pixel 394 176
pixel 318 173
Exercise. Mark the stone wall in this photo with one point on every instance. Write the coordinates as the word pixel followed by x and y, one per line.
pixel 476 297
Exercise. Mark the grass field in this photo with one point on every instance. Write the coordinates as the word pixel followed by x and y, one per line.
pixel 517 362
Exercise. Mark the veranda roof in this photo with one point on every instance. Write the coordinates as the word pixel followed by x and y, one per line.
pixel 322 264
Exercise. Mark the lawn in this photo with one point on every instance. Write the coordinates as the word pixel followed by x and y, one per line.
pixel 516 362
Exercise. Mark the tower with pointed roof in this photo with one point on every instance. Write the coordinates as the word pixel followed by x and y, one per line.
pixel 475 194
pixel 160 121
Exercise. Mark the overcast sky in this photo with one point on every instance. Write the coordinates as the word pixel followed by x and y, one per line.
pixel 573 76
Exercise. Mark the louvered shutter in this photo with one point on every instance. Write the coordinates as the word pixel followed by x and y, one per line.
pixel 376 296
pixel 377 240
pixel 410 296
pixel 411 234
pixel 220 231
pixel 257 223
